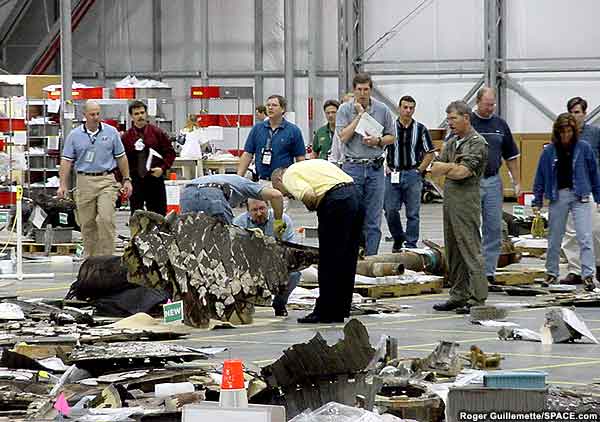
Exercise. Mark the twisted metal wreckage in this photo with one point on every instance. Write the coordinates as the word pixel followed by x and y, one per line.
pixel 219 271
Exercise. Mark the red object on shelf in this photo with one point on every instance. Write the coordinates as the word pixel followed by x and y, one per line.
pixel 113 122
pixel 205 120
pixel 80 93
pixel 236 152
pixel 8 198
pixel 124 93
pixel 8 124
pixel 231 120
pixel 525 198
pixel 205 92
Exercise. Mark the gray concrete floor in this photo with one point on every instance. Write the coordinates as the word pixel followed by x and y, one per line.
pixel 418 329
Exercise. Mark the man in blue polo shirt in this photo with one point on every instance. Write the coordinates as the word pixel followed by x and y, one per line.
pixel 273 143
pixel 95 149
pixel 260 216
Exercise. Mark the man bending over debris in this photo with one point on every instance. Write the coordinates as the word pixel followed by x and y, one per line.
pixel 216 194
pixel 462 161
pixel 325 188
pixel 260 217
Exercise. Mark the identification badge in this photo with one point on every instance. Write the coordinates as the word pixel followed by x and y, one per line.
pixel 90 154
pixel 395 178
pixel 139 145
pixel 266 157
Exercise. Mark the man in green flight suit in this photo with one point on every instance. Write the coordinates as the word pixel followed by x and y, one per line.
pixel 321 146
pixel 462 161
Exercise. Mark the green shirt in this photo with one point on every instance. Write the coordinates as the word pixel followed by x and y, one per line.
pixel 322 142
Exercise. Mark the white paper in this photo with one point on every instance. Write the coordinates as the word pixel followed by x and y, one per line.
pixel 152 107
pixel 38 217
pixel 492 323
pixel 53 106
pixel 19 137
pixel 368 126
pixel 152 153
pixel 214 133
pixel 53 364
pixel 53 142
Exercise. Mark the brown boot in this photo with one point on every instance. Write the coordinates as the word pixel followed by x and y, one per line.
pixel 550 279
pixel 572 278
pixel 588 284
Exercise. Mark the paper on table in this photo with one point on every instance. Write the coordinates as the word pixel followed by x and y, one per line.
pixel 152 107
pixel 152 153
pixel 368 126
pixel 53 106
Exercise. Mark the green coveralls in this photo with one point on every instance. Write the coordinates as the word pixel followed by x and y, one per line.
pixel 462 213
pixel 322 142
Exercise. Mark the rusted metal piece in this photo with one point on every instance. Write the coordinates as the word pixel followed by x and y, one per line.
pixel 379 269
pixel 219 271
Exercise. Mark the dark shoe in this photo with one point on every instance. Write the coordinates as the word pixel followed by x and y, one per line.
pixel 313 318
pixel 397 247
pixel 588 284
pixel 464 310
pixel 448 306
pixel 571 278
pixel 550 279
pixel 493 285
pixel 281 311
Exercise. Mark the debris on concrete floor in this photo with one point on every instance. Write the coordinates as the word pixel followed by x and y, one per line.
pixel 565 326
pixel 510 333
pixel 480 360
pixel 488 313
pixel 444 360
pixel 219 271
pixel 580 399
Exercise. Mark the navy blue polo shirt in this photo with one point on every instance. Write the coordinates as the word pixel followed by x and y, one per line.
pixel 501 144
pixel 286 144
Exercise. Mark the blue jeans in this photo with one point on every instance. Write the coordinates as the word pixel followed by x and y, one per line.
pixel 280 300
pixel 407 192
pixel 370 184
pixel 210 201
pixel 492 197
pixel 581 213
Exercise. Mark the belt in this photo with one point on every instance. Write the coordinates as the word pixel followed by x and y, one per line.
pixel 225 188
pixel 339 186
pixel 99 173
pixel 405 168
pixel 378 160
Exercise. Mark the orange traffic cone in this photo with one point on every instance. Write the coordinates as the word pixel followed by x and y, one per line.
pixel 233 391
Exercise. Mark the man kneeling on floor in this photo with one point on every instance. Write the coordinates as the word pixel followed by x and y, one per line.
pixel 325 188
pixel 259 216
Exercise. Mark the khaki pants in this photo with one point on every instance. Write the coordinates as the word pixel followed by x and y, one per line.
pixel 95 198
pixel 570 246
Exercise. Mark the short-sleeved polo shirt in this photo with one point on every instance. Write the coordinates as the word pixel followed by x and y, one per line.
pixel 286 143
pixel 106 144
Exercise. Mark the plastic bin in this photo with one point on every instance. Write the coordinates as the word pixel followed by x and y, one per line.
pixel 520 380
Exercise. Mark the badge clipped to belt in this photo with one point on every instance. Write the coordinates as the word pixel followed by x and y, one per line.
pixel 266 156
pixel 395 178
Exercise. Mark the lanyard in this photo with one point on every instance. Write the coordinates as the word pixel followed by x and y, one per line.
pixel 92 137
pixel 271 134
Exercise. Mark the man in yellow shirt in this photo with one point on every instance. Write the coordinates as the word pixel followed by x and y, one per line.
pixel 325 188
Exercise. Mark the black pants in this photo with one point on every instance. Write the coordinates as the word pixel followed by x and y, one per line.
pixel 340 218
pixel 149 192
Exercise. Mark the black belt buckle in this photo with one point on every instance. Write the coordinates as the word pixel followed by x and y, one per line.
pixel 377 163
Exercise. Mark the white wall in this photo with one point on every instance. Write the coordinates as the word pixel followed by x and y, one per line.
pixel 442 30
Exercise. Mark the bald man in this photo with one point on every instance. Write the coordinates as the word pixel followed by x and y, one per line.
pixel 95 150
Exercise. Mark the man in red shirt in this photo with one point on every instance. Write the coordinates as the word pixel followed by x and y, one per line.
pixel 141 141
